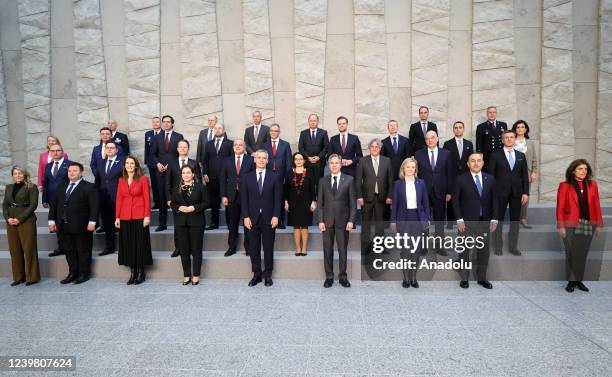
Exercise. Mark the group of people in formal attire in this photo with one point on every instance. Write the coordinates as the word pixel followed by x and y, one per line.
pixel 407 181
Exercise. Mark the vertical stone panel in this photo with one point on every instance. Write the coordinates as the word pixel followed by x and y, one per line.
pixel 258 85
pixel 460 67
pixel 5 137
pixel 557 131
pixel 34 25
pixel 142 54
pixel 604 104
pixel 201 78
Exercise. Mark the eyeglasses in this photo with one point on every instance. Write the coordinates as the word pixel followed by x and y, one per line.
pixel 55 150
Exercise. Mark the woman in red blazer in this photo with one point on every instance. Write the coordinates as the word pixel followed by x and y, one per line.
pixel 44 159
pixel 133 212
pixel 578 218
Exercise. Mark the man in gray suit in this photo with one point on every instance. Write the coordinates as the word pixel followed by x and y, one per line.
pixel 336 208
pixel 374 181
pixel 256 134
pixel 206 135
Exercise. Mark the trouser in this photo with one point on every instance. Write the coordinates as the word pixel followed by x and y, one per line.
pixel 438 207
pixel 450 214
pixel 413 227
pixel 24 250
pixel 524 207
pixel 341 235
pixel 480 255
pixel 261 233
pixel 190 246
pixel 107 208
pixel 233 216
pixel 78 252
pixel 161 192
pixel 576 250
pixel 514 201
pixel 215 200
pixel 154 187
pixel 373 223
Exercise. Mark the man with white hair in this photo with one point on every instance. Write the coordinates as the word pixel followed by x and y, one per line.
pixel 215 152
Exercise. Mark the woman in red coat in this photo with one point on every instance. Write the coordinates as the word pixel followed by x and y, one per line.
pixel 133 212
pixel 578 218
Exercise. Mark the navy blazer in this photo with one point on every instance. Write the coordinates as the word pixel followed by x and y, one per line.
pixel 281 164
pixel 96 157
pixel 460 163
pixel 51 183
pixel 404 150
pixel 467 202
pixel 416 136
pixel 267 204
pixel 318 148
pixel 353 151
pixel 107 183
pixel 213 160
pixel 440 179
pixel 229 179
pixel 515 181
pixel 399 207
pixel 159 154
pixel 121 140
pixel 148 150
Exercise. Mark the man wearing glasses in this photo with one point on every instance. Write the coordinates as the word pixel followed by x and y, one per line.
pixel 56 173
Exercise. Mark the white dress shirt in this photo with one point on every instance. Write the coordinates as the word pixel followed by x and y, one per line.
pixel 411 194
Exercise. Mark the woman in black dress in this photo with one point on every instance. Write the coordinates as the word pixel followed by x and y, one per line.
pixel 189 200
pixel 300 203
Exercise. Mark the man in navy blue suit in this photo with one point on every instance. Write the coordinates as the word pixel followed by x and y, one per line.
pixel 56 173
pixel 149 138
pixel 436 169
pixel 99 151
pixel 120 139
pixel 279 161
pixel 106 180
pixel 396 147
pixel 347 146
pixel 260 193
pixel 476 206
pixel 233 168
pixel 163 150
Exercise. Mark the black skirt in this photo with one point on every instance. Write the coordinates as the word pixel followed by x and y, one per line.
pixel 134 244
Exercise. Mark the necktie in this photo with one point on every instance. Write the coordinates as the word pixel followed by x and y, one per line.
pixel 335 185
pixel 395 144
pixel 460 147
pixel 109 163
pixel 210 134
pixel 256 133
pixel 375 161
pixel 69 192
pixel 424 127
pixel 260 182
pixel 55 169
pixel 479 188
pixel 217 145
pixel 182 163
pixel 432 162
pixel 343 144
pixel 511 160
pixel 167 142
pixel 103 151
pixel 274 154
pixel 313 137
pixel 238 165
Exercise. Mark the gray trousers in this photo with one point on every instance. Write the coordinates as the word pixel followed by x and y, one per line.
pixel 342 237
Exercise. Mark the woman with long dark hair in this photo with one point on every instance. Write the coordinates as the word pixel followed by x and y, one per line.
pixel 526 145
pixel 578 219
pixel 300 202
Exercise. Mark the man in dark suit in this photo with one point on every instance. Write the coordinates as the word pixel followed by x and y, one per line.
pixel 215 152
pixel 396 147
pixel 73 214
pixel 312 145
pixel 173 178
pixel 106 181
pixel 256 134
pixel 374 182
pixel 260 193
pixel 347 146
pixel 233 168
pixel 120 139
pixel 164 150
pixel 460 149
pixel 436 169
pixel 489 135
pixel 98 154
pixel 149 138
pixel 337 208
pixel 205 136
pixel 475 205
pixel 56 173
pixel 509 167
pixel 279 161
pixel 416 135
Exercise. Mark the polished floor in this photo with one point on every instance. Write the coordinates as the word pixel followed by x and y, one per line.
pixel 298 328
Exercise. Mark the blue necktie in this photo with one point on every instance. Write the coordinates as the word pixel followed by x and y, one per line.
pixel 511 160
pixel 55 168
pixel 260 183
pixel 395 144
pixel 479 188
pixel 69 192
pixel 108 166
pixel 432 162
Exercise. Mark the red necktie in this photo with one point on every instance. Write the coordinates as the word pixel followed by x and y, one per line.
pixel 343 145
pixel 274 155
pixel 167 142
pixel 237 170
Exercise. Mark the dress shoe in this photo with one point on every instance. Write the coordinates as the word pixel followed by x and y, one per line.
pixel 56 252
pixel 442 252
pixel 160 228
pixel 268 281
pixel 464 284
pixel 16 283
pixel 578 285
pixel 525 225
pixel 570 286
pixel 106 252
pixel 405 284
pixel 414 284
pixel 132 276
pixel 196 282
pixel 187 282
pixel 30 283
pixel 345 283
pixel 212 227
pixel 328 283
pixel 69 279
pixel 82 279
pixel 254 281
pixel 175 253
pixel 485 284
pixel 229 253
pixel 516 252
pixel 140 276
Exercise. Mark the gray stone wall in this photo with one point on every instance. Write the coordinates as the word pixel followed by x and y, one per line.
pixel 69 65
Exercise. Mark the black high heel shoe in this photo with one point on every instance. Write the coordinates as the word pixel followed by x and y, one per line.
pixel 187 282
pixel 132 276
pixel 15 283
pixel 195 282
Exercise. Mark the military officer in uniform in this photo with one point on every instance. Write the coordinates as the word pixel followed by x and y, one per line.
pixel 489 135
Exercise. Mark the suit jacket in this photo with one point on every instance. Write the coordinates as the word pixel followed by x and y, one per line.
pixel 42 164
pixel 107 183
pixel 352 152
pixel 404 150
pixel 568 209
pixel 121 140
pixel 366 179
pixel 267 204
pixel 489 138
pixel 467 202
pixel 399 207
pixel 263 135
pixel 198 199
pixel 211 165
pixel 159 154
pixel 229 179
pixel 50 183
pixel 281 163
pixel 460 164
pixel 439 180
pixel 336 210
pixel 202 140
pixel 26 200
pixel 515 181
pixel 149 138
pixel 310 149
pixel 416 136
pixel 96 157
pixel 173 178
pixel 80 209
pixel 133 201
